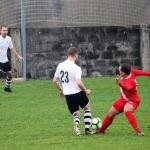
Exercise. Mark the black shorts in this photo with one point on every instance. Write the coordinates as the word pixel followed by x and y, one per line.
pixel 74 101
pixel 5 66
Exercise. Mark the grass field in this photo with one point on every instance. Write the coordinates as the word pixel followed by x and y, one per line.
pixel 33 118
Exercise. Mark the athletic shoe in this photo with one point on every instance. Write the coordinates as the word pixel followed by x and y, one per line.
pixel 98 132
pixel 139 133
pixel 88 131
pixel 77 130
pixel 7 90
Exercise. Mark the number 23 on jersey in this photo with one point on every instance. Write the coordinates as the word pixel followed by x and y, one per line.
pixel 64 76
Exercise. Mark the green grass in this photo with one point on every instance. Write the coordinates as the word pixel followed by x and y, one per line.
pixel 33 118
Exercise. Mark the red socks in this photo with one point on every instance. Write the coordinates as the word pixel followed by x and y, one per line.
pixel 132 120
pixel 130 116
pixel 107 121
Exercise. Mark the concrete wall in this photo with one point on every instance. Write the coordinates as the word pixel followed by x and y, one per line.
pixel 101 49
pixel 145 47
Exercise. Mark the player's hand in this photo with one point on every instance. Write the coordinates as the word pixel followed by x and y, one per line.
pixel 118 78
pixel 88 91
pixel 20 58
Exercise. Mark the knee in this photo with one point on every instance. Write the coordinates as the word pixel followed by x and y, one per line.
pixel 77 113
pixel 131 109
pixel 87 107
pixel 112 113
pixel 125 110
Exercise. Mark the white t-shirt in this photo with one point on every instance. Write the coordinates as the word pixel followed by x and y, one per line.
pixel 5 43
pixel 68 72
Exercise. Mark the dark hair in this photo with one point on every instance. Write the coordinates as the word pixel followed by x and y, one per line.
pixel 126 68
pixel 72 51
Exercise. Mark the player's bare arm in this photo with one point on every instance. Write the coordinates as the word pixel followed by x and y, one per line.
pixel 58 86
pixel 16 53
pixel 82 87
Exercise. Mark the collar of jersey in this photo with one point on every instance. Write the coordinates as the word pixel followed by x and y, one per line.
pixel 70 61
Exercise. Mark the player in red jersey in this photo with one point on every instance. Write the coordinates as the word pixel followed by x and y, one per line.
pixel 129 100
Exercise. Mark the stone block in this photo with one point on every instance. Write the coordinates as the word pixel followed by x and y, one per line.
pixel 119 54
pixel 107 55
pixel 114 63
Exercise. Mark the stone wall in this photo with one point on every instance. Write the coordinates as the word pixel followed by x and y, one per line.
pixel 102 49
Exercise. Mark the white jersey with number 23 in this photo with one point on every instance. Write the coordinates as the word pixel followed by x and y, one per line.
pixel 68 72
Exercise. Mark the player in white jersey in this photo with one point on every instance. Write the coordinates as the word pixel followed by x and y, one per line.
pixel 67 79
pixel 5 44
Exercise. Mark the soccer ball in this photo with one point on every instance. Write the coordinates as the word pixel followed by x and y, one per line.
pixel 96 123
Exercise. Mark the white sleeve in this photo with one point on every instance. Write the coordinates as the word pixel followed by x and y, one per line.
pixel 78 73
pixel 57 72
pixel 11 44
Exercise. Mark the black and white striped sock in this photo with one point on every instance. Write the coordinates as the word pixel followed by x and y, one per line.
pixel 8 83
pixel 87 119
pixel 76 120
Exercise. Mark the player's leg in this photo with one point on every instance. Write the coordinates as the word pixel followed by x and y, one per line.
pixel 8 81
pixel 108 119
pixel 76 122
pixel 2 73
pixel 74 110
pixel 84 103
pixel 87 119
pixel 116 108
pixel 76 118
pixel 129 113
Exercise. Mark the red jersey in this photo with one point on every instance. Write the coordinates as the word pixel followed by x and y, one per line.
pixel 128 85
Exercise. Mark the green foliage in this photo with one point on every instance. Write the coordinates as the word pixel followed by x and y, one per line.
pixel 33 117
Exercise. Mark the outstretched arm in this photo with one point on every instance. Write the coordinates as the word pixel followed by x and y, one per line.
pixel 16 53
pixel 137 72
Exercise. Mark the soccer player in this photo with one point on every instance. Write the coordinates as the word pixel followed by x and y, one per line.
pixel 67 79
pixel 5 43
pixel 129 100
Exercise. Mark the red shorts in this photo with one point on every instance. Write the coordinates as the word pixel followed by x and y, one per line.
pixel 120 103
